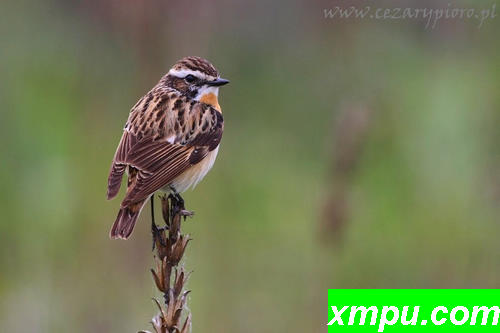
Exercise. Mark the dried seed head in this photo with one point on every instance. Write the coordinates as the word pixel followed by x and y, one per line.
pixel 178 249
pixel 170 246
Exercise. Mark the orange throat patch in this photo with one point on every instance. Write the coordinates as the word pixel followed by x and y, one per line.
pixel 211 99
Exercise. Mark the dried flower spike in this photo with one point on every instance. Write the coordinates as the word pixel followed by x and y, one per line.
pixel 170 245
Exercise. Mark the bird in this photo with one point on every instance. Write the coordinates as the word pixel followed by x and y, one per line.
pixel 170 140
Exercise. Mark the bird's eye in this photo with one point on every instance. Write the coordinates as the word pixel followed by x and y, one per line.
pixel 190 78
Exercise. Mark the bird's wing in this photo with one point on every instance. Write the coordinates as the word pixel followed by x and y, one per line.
pixel 165 135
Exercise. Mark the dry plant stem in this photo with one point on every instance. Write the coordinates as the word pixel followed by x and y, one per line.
pixel 353 124
pixel 169 278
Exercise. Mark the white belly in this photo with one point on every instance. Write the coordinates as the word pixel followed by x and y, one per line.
pixel 192 176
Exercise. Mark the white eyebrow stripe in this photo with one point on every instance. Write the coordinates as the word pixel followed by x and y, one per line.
pixel 184 72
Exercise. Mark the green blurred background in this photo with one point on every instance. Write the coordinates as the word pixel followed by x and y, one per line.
pixel 356 154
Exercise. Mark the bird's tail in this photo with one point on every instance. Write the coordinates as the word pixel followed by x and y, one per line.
pixel 125 221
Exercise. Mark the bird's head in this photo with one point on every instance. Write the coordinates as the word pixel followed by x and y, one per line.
pixel 196 78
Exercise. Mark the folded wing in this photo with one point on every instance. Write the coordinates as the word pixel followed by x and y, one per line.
pixel 165 136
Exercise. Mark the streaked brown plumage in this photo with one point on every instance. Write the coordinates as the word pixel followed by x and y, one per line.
pixel 170 140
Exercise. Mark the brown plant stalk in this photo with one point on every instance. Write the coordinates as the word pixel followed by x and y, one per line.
pixel 168 276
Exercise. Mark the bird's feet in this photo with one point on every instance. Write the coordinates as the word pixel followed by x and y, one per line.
pixel 177 206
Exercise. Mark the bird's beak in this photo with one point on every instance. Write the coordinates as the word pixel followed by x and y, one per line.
pixel 217 83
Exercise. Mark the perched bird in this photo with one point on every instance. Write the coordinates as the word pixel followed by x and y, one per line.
pixel 170 140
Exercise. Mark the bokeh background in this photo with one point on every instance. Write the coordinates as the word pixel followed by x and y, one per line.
pixel 356 154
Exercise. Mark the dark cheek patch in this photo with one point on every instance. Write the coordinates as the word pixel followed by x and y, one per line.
pixel 193 93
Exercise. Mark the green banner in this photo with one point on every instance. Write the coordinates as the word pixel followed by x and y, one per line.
pixel 413 310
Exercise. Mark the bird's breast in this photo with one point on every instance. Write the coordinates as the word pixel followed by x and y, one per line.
pixel 211 99
pixel 192 176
